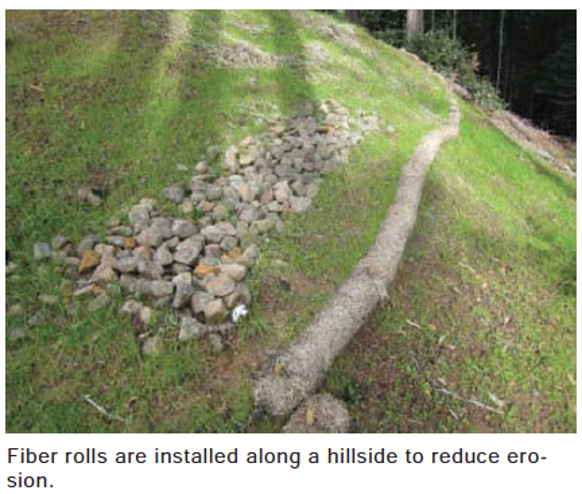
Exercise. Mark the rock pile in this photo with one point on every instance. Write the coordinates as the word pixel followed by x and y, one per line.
pixel 200 266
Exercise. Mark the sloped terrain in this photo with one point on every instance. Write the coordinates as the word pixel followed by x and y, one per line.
pixel 115 101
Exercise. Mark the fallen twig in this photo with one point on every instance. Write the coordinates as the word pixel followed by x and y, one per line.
pixel 102 410
pixel 472 402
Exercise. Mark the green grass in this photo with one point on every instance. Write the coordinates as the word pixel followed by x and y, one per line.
pixel 99 94
pixel 484 304
pixel 105 95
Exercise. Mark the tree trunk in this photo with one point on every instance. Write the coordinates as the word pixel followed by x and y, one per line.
pixel 353 16
pixel 414 23
pixel 454 24
pixel 500 50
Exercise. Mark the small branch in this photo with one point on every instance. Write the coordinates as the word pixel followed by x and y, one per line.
pixel 102 410
pixel 472 402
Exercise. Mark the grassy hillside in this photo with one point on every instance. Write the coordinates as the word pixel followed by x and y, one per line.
pixel 484 305
pixel 120 98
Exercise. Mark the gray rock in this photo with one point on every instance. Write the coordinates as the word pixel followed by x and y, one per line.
pixel 160 288
pixel 228 243
pixel 116 240
pixel 197 197
pixel 230 161
pixel 164 226
pixel 213 234
pixel 213 192
pixel 298 188
pixel 184 292
pixel 58 242
pixel 128 282
pixel 215 312
pixel 130 307
pixel 139 215
pixel 150 236
pixel 300 204
pixel 150 270
pixel 181 167
pixel 219 285
pixel 124 231
pixel 163 257
pixel 104 274
pixel 262 226
pixel 197 184
pixel 142 253
pixel 183 228
pixel 234 271
pixel 190 328
pixel 145 315
pixel 178 268
pixel 235 181
pixel 311 190
pixel 201 167
pixel 212 251
pixel 174 193
pixel 126 265
pixel 185 277
pixel 200 300
pixel 42 251
pixel 187 255
pixel 240 296
pixel 282 192
pixel 170 244
pixel 248 213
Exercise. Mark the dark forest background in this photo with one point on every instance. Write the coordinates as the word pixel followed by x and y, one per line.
pixel 529 56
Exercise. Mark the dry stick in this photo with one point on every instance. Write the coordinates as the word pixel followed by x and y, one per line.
pixel 102 410
pixel 472 402
pixel 300 369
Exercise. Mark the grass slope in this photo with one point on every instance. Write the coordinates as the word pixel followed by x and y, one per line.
pixel 484 304
pixel 95 96
pixel 110 94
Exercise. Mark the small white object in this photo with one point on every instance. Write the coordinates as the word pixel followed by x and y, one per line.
pixel 238 313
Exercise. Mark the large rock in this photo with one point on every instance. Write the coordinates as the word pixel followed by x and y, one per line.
pixel 174 193
pixel 300 204
pixel 150 236
pixel 187 256
pixel 89 260
pixel 219 285
pixel 163 257
pixel 234 271
pixel 42 251
pixel 215 312
pixel 190 328
pixel 160 288
pixel 139 215
pixel 184 292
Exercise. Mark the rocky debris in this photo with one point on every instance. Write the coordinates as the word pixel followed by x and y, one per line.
pixel 87 195
pixel 174 193
pixel 200 266
pixel 89 260
pixel 42 251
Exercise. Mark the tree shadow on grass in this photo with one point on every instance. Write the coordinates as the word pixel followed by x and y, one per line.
pixel 291 74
